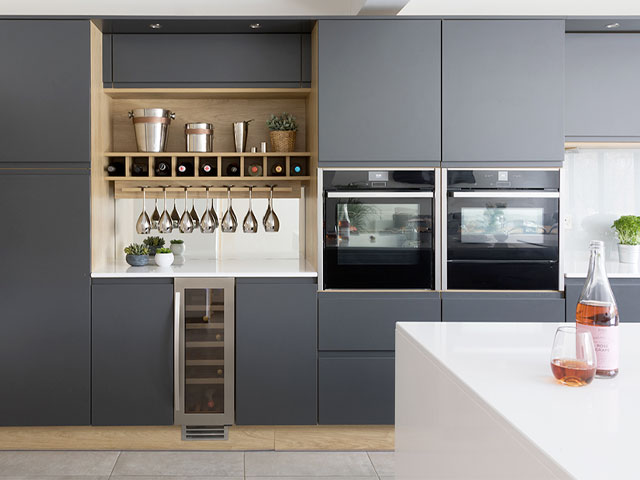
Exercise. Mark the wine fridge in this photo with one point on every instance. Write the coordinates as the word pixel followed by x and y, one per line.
pixel 204 357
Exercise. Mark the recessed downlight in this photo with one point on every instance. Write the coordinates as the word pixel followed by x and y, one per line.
pixel 155 26
pixel 612 25
pixel 255 26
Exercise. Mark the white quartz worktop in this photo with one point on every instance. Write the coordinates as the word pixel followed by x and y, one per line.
pixel 576 265
pixel 210 267
pixel 457 381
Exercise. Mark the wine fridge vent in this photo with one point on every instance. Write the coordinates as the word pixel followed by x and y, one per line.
pixel 202 432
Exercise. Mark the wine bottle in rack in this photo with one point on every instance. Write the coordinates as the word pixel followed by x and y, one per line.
pixel 233 170
pixel 185 168
pixel 297 168
pixel 115 169
pixel 255 170
pixel 597 312
pixel 163 168
pixel 207 168
pixel 140 168
pixel 277 170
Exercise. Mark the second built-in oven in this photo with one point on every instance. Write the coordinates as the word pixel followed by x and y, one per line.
pixel 502 229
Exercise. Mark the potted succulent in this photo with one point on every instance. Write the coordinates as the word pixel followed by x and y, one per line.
pixel 627 229
pixel 177 247
pixel 282 132
pixel 153 243
pixel 164 257
pixel 137 255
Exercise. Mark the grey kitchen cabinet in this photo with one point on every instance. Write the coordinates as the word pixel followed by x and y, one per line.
pixel 626 291
pixel 503 307
pixel 132 352
pixel 276 351
pixel 356 388
pixel 207 60
pixel 46 91
pixel 379 92
pixel 45 327
pixel 602 92
pixel 503 92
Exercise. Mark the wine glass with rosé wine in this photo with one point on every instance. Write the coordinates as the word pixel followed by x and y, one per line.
pixel 573 357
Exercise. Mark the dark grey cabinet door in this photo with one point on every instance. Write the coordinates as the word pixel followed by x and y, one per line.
pixel 379 91
pixel 626 291
pixel 502 91
pixel 503 307
pixel 276 352
pixel 132 352
pixel 207 60
pixel 45 91
pixel 602 94
pixel 45 326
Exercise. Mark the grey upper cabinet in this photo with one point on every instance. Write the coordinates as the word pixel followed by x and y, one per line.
pixel 132 352
pixel 201 60
pixel 379 91
pixel 602 91
pixel 276 351
pixel 502 91
pixel 45 327
pixel 626 291
pixel 46 91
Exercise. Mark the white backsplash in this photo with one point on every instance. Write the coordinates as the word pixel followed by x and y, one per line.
pixel 599 186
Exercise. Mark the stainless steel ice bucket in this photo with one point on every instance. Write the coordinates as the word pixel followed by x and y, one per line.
pixel 199 137
pixel 151 126
pixel 240 131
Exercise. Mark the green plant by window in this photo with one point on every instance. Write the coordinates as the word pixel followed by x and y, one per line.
pixel 156 242
pixel 177 242
pixel 136 249
pixel 284 122
pixel 627 228
pixel 163 250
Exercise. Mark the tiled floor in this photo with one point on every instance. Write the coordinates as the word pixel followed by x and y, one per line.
pixel 196 465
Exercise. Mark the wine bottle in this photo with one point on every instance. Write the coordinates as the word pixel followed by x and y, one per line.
pixel 296 169
pixel 277 170
pixel 207 168
pixel 163 168
pixel 233 170
pixel 139 169
pixel 115 169
pixel 255 170
pixel 597 313
pixel 185 168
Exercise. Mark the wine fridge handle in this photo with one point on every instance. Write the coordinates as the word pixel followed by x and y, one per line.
pixel 176 351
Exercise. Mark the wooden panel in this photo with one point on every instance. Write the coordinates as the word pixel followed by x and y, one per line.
pixel 240 190
pixel 309 249
pixel 199 93
pixel 325 437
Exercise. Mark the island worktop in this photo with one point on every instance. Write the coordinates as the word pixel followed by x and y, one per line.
pixel 479 401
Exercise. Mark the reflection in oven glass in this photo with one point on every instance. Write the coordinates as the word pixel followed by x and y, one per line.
pixel 501 224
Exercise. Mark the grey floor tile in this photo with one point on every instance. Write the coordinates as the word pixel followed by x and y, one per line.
pixel 308 478
pixel 384 463
pixel 219 464
pixel 54 477
pixel 383 478
pixel 167 477
pixel 56 464
pixel 308 464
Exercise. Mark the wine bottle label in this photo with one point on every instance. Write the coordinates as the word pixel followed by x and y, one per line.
pixel 605 339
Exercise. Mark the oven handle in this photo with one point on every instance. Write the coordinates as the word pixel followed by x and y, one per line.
pixel 357 194
pixel 519 194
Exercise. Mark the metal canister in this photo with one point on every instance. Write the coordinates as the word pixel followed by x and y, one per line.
pixel 199 137
pixel 151 126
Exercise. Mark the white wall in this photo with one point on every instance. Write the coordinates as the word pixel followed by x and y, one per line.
pixel 521 7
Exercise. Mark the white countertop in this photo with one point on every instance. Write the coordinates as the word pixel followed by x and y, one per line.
pixel 576 265
pixel 210 267
pixel 591 431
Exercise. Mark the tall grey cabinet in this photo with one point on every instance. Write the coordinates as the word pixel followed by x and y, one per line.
pixel 379 92
pixel 502 91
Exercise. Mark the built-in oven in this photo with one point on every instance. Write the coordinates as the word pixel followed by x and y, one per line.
pixel 378 229
pixel 502 229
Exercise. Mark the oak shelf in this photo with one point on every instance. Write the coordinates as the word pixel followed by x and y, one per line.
pixel 206 93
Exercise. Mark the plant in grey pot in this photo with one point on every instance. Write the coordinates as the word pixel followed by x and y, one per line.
pixel 164 257
pixel 153 243
pixel 137 255
pixel 282 132
pixel 627 229
pixel 177 247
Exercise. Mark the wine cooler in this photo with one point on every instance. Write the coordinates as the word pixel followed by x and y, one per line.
pixel 204 357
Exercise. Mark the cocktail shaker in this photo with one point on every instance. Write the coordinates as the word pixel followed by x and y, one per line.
pixel 240 131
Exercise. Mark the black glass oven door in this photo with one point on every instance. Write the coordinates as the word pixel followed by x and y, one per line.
pixel 502 240
pixel 378 240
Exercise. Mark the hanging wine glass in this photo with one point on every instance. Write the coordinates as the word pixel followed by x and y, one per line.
pixel 165 225
pixel 212 212
pixel 155 216
pixel 229 220
pixel 207 224
pixel 250 224
pixel 175 216
pixel 143 225
pixel 270 221
pixel 194 214
pixel 186 223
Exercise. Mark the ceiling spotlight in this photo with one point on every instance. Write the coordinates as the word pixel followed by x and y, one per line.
pixel 613 25
pixel 155 26
pixel 255 26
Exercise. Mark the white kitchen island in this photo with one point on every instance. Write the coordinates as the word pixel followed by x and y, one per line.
pixel 478 401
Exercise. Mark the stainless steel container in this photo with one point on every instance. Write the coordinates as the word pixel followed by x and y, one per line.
pixel 199 137
pixel 151 126
pixel 240 131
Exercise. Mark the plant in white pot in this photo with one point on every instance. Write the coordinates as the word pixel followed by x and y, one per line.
pixel 164 257
pixel 627 229
pixel 177 247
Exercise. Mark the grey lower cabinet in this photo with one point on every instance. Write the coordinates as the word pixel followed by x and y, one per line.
pixel 46 91
pixel 503 91
pixel 601 103
pixel 356 343
pixel 503 307
pixel 379 91
pixel 132 351
pixel 45 325
pixel 626 291
pixel 276 351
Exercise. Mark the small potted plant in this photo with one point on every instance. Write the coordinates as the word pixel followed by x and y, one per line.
pixel 177 247
pixel 282 132
pixel 164 257
pixel 137 255
pixel 627 229
pixel 153 244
